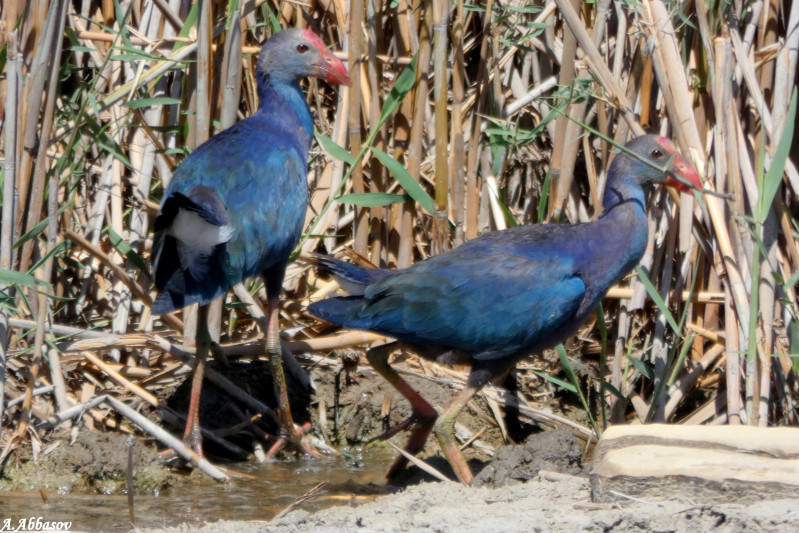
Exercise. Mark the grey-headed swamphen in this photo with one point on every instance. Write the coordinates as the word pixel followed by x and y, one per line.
pixel 235 207
pixel 504 295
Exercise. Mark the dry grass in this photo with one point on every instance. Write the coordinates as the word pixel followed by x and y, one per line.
pixel 102 100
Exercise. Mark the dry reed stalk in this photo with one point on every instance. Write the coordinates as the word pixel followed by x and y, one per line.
pixel 660 346
pixel 440 230
pixel 120 273
pixel 10 123
pixel 597 65
pixel 58 12
pixel 571 129
pixel 176 444
pixel 472 192
pixel 566 79
pixel 355 39
pixel 32 95
pixel 375 39
pixel 414 153
pixel 121 380
pixel 457 161
pixel 10 135
pixel 45 69
pixel 406 46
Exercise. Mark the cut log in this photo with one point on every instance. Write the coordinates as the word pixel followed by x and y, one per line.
pixel 699 463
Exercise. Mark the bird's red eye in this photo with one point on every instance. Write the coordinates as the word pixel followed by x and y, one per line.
pixel 302 48
pixel 656 153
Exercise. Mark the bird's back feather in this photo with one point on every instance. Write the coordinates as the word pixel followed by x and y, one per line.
pixel 252 185
pixel 506 293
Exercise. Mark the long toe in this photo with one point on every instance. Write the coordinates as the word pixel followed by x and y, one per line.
pixel 415 444
pixel 292 440
pixel 411 421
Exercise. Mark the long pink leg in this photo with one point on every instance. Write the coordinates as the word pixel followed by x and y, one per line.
pixel 424 414
pixel 192 435
pixel 444 429
pixel 445 433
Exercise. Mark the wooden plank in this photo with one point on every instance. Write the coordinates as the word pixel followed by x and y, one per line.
pixel 704 463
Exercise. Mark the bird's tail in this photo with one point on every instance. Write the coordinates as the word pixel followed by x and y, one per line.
pixel 352 278
pixel 335 310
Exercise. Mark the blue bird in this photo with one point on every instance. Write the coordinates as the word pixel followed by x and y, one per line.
pixel 504 295
pixel 235 207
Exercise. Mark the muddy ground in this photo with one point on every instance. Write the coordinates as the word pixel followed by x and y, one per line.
pixel 507 495
pixel 534 506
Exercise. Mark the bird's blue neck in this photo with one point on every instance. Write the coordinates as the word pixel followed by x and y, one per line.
pixel 283 104
pixel 620 192
pixel 616 241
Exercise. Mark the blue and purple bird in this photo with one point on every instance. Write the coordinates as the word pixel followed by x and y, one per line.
pixel 235 207
pixel 504 295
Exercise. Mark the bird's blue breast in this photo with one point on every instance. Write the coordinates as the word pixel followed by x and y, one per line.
pixel 258 169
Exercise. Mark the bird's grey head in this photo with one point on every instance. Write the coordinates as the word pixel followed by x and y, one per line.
pixel 656 160
pixel 293 54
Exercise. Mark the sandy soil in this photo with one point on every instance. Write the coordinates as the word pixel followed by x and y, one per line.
pixel 538 505
pixel 510 496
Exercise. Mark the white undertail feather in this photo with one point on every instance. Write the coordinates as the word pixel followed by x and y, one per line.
pixel 197 239
pixel 350 287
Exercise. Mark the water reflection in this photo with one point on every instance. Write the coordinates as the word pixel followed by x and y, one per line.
pixel 271 488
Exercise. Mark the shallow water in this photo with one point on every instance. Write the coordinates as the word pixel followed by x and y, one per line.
pixel 271 488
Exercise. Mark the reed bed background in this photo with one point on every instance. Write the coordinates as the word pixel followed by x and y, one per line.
pixel 462 118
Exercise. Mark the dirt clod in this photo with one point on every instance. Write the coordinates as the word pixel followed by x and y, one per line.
pixel 557 450
pixel 94 463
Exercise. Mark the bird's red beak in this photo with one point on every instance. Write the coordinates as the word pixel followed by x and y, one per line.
pixel 329 67
pixel 680 168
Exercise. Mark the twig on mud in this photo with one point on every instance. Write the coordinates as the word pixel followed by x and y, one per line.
pixel 167 439
pixel 305 497
pixel 131 512
pixel 147 426
pixel 421 464
pixel 70 413
pixel 181 353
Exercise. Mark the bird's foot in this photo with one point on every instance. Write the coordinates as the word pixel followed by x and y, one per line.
pixel 415 420
pixel 445 433
pixel 422 425
pixel 293 441
pixel 193 439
